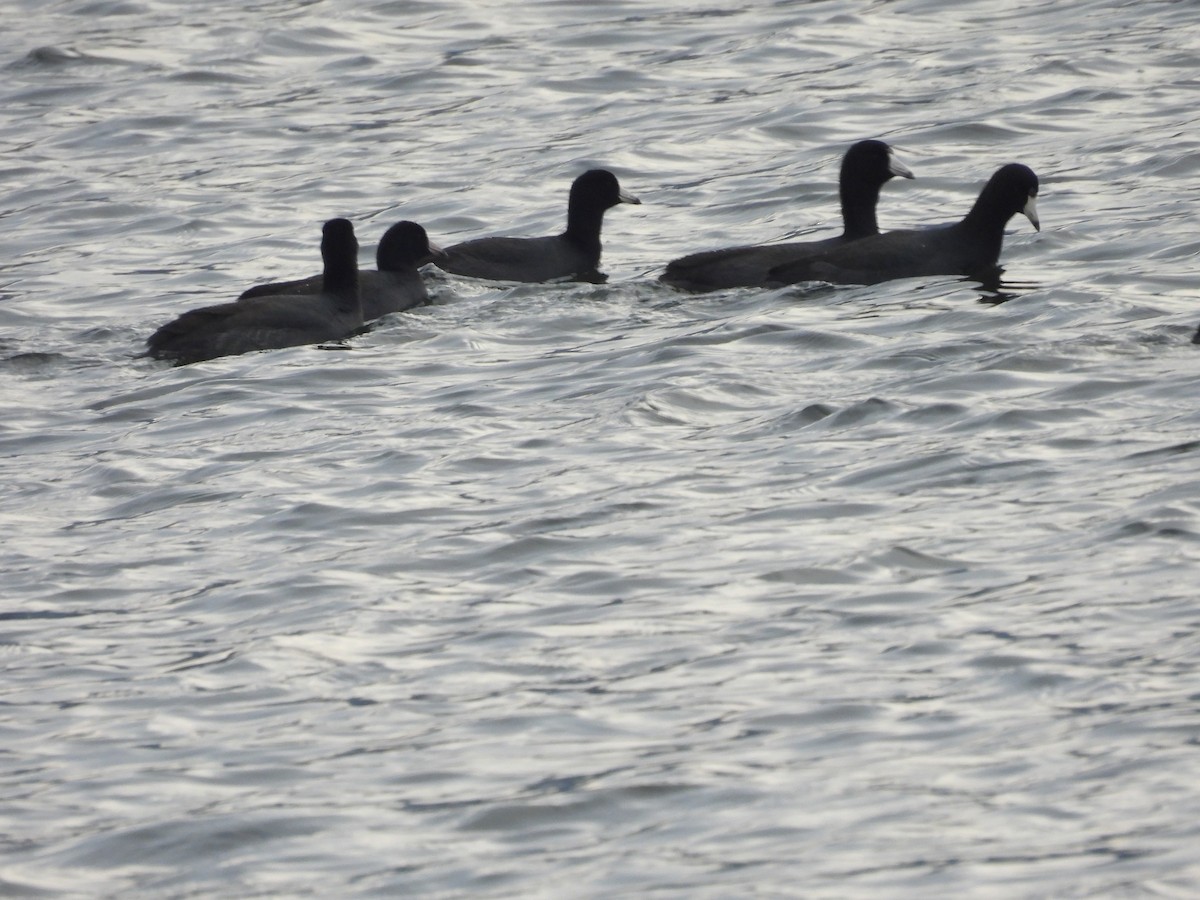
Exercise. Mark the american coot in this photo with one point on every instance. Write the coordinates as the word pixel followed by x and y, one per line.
pixel 573 254
pixel 866 167
pixel 277 320
pixel 395 286
pixel 970 247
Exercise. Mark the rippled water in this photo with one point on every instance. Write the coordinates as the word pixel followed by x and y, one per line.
pixel 599 590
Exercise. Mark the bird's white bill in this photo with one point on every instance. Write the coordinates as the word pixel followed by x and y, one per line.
pixel 1030 212
pixel 896 167
pixel 625 197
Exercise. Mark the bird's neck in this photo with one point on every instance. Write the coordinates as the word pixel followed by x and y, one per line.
pixel 858 210
pixel 342 281
pixel 583 228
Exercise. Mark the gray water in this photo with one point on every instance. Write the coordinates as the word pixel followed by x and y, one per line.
pixel 599 590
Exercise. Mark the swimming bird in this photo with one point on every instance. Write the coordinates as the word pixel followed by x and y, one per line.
pixel 574 254
pixel 394 286
pixel 969 247
pixel 277 320
pixel 866 167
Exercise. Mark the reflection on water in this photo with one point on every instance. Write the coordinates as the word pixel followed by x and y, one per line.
pixel 999 290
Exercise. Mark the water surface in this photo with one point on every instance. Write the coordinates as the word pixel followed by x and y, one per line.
pixel 599 590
